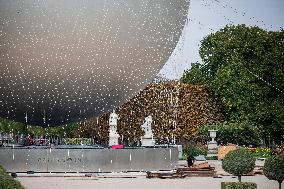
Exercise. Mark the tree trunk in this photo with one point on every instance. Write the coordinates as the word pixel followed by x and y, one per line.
pixel 279 184
pixel 239 178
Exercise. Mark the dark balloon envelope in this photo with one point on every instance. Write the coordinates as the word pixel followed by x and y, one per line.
pixel 67 60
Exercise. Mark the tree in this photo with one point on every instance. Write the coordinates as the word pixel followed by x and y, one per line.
pixel 177 109
pixel 238 162
pixel 244 67
pixel 274 168
pixel 240 133
pixel 35 130
pixel 7 126
pixel 195 75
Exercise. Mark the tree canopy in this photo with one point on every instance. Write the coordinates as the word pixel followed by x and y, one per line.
pixel 274 168
pixel 238 162
pixel 177 109
pixel 244 66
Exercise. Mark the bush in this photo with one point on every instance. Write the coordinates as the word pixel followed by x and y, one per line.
pixel 274 168
pixel 240 133
pixel 238 185
pixel 7 182
pixel 195 151
pixel 238 162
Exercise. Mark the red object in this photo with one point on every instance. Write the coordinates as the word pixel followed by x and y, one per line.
pixel 119 146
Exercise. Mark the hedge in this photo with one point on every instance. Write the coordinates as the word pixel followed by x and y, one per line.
pixel 238 185
pixel 7 182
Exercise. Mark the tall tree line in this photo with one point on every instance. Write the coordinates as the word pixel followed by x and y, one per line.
pixel 244 66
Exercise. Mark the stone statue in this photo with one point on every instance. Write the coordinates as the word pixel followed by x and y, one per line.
pixel 147 139
pixel 147 126
pixel 113 118
pixel 113 135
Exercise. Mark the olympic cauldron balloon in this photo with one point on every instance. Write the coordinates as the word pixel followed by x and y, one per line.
pixel 68 60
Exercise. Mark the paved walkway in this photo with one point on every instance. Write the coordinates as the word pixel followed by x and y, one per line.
pixel 79 181
pixel 138 183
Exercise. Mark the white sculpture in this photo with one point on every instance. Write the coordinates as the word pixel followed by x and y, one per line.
pixel 147 139
pixel 113 118
pixel 113 135
pixel 147 127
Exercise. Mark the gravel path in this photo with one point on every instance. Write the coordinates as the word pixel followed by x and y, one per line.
pixel 78 181
pixel 138 183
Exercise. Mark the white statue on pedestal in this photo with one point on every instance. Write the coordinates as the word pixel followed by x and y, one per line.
pixel 113 135
pixel 147 139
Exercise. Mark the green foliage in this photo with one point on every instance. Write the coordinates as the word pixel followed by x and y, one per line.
pixel 195 151
pixel 7 126
pixel 203 132
pixel 35 130
pixel 195 75
pixel 7 182
pixel 274 168
pixel 238 162
pixel 241 133
pixel 77 141
pixel 244 67
pixel 238 185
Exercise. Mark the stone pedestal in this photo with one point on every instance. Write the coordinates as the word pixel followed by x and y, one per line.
pixel 148 141
pixel 113 136
pixel 113 139
pixel 212 149
pixel 212 145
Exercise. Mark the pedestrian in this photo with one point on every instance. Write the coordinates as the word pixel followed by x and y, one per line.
pixel 190 160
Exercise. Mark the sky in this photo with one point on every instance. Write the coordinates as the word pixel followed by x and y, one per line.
pixel 209 16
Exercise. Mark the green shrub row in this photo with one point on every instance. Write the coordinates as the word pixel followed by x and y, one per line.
pixel 7 182
pixel 238 185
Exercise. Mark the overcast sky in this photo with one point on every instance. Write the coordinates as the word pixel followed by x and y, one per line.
pixel 207 16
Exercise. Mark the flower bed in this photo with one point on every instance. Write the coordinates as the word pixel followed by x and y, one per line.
pixel 260 152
